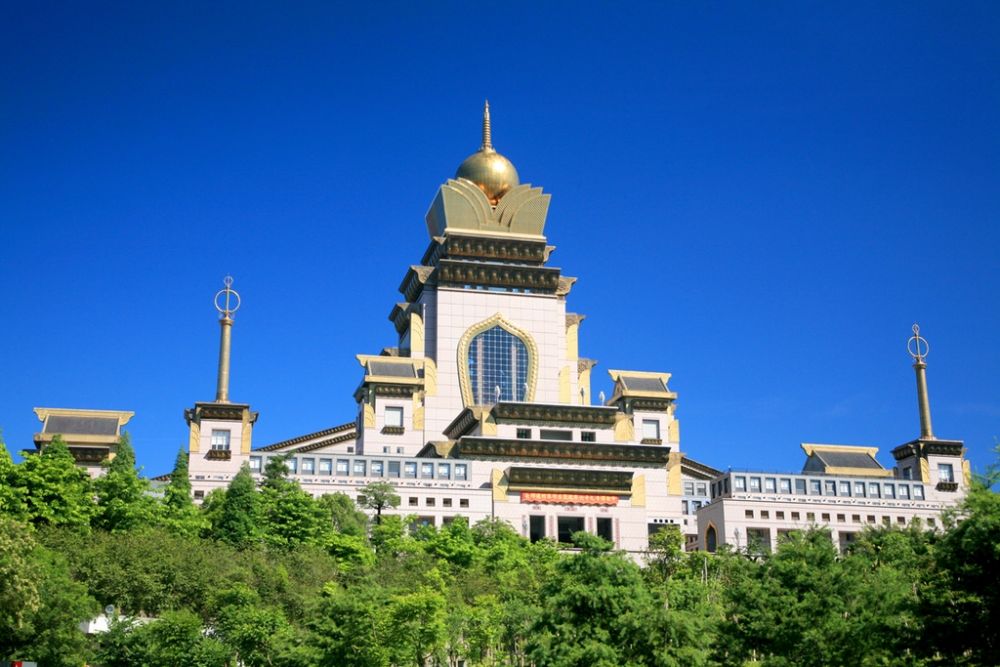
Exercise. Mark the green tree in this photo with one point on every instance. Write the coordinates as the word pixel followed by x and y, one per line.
pixel 344 515
pixel 239 517
pixel 290 515
pixel 180 514
pixel 50 489
pixel 176 638
pixel 123 499
pixel 378 496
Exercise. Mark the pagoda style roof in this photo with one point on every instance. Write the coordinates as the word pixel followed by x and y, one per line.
pixel 843 460
pixel 81 427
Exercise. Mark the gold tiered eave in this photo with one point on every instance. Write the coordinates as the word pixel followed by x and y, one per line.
pixel 490 171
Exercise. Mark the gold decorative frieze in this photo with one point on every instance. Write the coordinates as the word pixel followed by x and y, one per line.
pixel 569 478
pixel 587 416
pixel 458 272
pixel 495 448
pixel 218 455
pixel 504 249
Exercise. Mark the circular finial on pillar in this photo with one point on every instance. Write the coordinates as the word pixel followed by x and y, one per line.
pixel 917 345
pixel 227 300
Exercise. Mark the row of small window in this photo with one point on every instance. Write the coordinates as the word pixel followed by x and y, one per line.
pixel 695 488
pixel 430 501
pixel 825 517
pixel 366 468
pixel 566 526
pixel 555 434
pixel 819 487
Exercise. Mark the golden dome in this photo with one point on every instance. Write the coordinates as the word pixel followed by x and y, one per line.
pixel 491 172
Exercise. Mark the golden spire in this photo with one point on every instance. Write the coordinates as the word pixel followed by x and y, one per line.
pixel 227 306
pixel 918 348
pixel 487 146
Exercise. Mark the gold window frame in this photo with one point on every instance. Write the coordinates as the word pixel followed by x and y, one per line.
pixel 465 382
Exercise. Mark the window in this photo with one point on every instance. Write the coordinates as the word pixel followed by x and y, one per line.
pixel 461 471
pixel 918 492
pixel 497 359
pixel 350 449
pixel 399 450
pixel 588 436
pixel 748 514
pixel 946 473
pixel 764 514
pixel 907 472
pixel 651 429
pixel 536 528
pixel 444 470
pixel 427 470
pixel 725 485
pixel 701 490
pixel 845 488
pixel 343 466
pixel 386 450
pixel 758 541
pixel 931 522
pixel 554 434
pixel 770 484
pixel 446 502
pixel 904 492
pixel 360 467
pixel 711 540
pixel 413 501
pixel 255 463
pixel 831 488
pixel 688 488
pixel 780 516
pixel 871 518
pixel 826 517
pixel 890 491
pixel 811 517
pixel 308 466
pixel 856 518
pixel 901 520
pixel 604 528
pixel 685 508
pixel 293 465
pixel 325 466
pixel 859 489
pixel 800 487
pixel 815 487
pixel 785 485
pixel 873 490
pixel 394 416
pixel 429 502
pixel 220 440
pixel 886 521
pixel 755 484
pixel 524 433
pixel 378 468
pixel 842 518
pixel 796 516
pixel 393 468
pixel 740 483
pixel 567 526
pixel 463 502
pixel 198 495
pixel 410 470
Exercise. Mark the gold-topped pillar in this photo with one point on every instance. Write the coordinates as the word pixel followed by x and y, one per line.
pixel 918 349
pixel 227 302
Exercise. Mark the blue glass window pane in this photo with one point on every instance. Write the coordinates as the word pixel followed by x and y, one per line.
pixel 498 358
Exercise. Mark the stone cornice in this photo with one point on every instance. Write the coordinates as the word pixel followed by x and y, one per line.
pixel 414 280
pixel 464 423
pixel 220 411
pixel 537 278
pixel 470 447
pixel 569 478
pixel 565 285
pixel 583 364
pixel 498 249
pixel 921 447
pixel 579 415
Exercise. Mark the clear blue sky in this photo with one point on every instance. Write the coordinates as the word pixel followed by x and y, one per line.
pixel 760 198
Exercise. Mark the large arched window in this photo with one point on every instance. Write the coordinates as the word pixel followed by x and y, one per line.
pixel 710 539
pixel 497 358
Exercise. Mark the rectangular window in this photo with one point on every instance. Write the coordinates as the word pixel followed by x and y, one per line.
pixel 901 520
pixel 463 502
pixel 725 484
pixel 399 450
pixel 800 487
pixel 685 508
pixel 755 484
pixel 554 434
pixel 907 472
pixel 524 433
pixel 651 429
pixel 890 491
pixel 931 522
pixel 325 466
pixel 811 517
pixel 308 466
pixel 393 468
pixel 886 521
pixel 220 440
pixel 796 516
pixel 831 488
pixel 255 463
pixel 845 488
pixel 826 517
pixel 904 492
pixel 856 518
pixel 874 490
pixel 780 516
pixel 764 514
pixel 946 473
pixel 394 416
pixel 588 436
pixel 427 471
pixel 343 466
pixel 444 470
pixel 386 450
pixel 413 501
pixel 871 518
pixel 785 485
pixel 815 487
pixel 567 526
pixel 859 489
pixel 536 528
pixel 378 468
pixel 410 470
pixel 701 489
pixel 429 502
pixel 604 528
pixel 770 484
pixel 461 471
pixel 293 465
pixel 748 514
pixel 918 492
pixel 446 502
pixel 360 467
pixel 688 488
pixel 740 483
pixel 842 518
